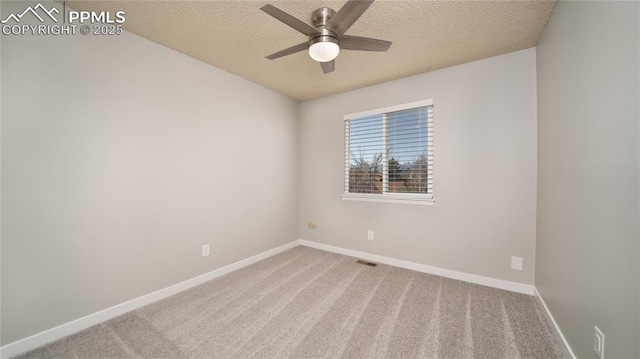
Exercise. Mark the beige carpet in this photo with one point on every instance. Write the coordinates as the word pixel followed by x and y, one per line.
pixel 306 303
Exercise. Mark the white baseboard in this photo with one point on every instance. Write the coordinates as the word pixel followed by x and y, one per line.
pixel 568 353
pixel 50 335
pixel 466 277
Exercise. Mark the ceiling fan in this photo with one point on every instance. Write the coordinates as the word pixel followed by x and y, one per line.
pixel 326 36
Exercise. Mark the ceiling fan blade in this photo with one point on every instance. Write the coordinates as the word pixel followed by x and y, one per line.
pixel 347 15
pixel 293 22
pixel 288 51
pixel 328 66
pixel 363 43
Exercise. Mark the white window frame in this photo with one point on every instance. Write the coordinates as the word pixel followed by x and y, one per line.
pixel 403 198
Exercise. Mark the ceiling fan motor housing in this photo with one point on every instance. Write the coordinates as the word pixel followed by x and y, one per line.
pixel 320 18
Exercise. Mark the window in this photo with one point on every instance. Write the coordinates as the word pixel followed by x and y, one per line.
pixel 389 154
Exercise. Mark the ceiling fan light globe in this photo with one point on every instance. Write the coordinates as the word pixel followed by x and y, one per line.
pixel 324 51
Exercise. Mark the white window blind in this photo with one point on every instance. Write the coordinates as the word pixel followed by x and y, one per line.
pixel 389 154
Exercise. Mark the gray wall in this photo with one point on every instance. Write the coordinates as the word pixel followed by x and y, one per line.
pixel 0 190
pixel 588 174
pixel 485 171
pixel 120 158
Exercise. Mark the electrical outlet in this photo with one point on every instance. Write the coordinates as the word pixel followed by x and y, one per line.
pixel 311 225
pixel 370 235
pixel 517 263
pixel 205 250
pixel 598 343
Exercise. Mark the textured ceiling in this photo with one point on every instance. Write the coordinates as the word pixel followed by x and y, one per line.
pixel 427 35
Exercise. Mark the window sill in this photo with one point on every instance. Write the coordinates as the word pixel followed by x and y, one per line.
pixel 421 200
